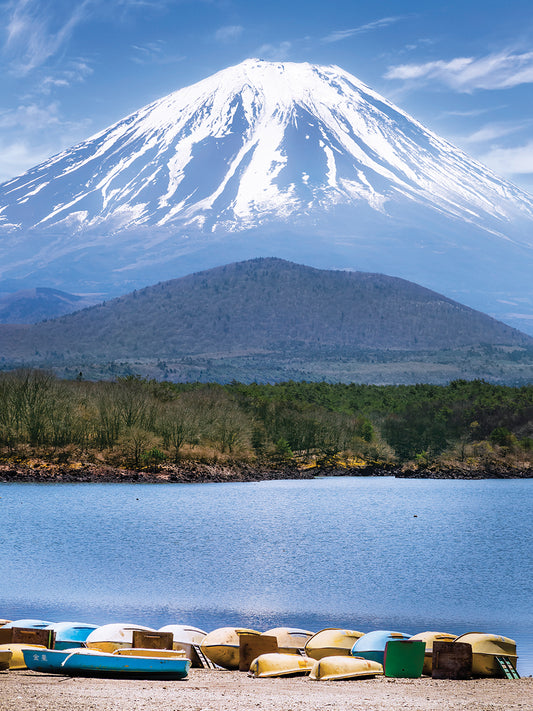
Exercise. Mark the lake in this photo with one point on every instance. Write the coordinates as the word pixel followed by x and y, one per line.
pixel 364 553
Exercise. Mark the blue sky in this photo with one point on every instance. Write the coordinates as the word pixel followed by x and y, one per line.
pixel 69 68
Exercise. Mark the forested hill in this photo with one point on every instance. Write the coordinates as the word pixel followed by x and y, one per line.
pixel 262 306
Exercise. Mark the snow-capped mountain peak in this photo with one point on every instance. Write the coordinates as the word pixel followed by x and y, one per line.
pixel 248 156
pixel 259 141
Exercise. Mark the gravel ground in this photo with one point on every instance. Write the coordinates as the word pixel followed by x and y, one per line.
pixel 207 690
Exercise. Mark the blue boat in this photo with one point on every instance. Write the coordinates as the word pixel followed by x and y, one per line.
pixel 70 634
pixel 156 664
pixel 28 624
pixel 372 645
pixel 47 661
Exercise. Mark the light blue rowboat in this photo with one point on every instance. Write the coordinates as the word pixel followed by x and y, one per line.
pixel 92 663
pixel 372 645
pixel 70 634
pixel 28 624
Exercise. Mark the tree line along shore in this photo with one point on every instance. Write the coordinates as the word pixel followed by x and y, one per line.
pixel 133 429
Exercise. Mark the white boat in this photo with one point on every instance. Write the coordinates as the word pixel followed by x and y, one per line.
pixel 107 638
pixel 186 638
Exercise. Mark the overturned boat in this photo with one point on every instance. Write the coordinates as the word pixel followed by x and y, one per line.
pixel 429 638
pixel 486 648
pixel 372 644
pixel 5 658
pixel 222 646
pixel 16 659
pixel 187 638
pixel 70 634
pixel 278 664
pixel 28 624
pixel 291 640
pixel 107 638
pixel 331 668
pixel 332 641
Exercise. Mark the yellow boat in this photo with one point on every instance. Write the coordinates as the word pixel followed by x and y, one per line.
pixel 5 659
pixel 107 638
pixel 331 668
pixel 17 657
pixel 485 649
pixel 222 646
pixel 332 641
pixel 290 639
pixel 429 638
pixel 276 664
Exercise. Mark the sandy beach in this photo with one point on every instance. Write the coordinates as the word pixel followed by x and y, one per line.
pixel 207 690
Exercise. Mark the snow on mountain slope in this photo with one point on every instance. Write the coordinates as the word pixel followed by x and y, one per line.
pixel 253 142
pixel 242 159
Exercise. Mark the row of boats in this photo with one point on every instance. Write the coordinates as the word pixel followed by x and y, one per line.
pixel 130 650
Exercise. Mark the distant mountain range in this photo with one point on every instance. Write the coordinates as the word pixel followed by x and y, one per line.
pixel 298 161
pixel 33 305
pixel 268 319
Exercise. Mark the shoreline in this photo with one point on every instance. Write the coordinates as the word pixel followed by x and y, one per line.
pixel 190 472
pixel 208 690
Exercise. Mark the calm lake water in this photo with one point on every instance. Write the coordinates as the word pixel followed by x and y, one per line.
pixel 362 553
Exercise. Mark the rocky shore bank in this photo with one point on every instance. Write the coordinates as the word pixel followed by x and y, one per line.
pixel 199 472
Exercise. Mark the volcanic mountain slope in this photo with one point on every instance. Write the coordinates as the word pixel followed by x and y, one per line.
pixel 266 308
pixel 281 159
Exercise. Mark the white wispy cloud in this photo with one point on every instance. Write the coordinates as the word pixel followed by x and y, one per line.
pixel 517 160
pixel 502 70
pixel 229 33
pixel 155 52
pixel 35 31
pixel 31 116
pixel 340 35
pixel 18 157
pixel 32 132
pixel 274 52
pixel 494 131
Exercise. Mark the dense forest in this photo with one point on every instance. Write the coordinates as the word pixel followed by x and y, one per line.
pixel 273 321
pixel 149 425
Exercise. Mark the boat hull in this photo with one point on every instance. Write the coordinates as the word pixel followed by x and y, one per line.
pixel 332 642
pixel 17 656
pixel 185 638
pixel 108 638
pixel 485 649
pixel 279 664
pixel 331 668
pixel 372 645
pixel 5 658
pixel 71 634
pixel 222 646
pixel 429 638
pixel 290 640
pixel 87 663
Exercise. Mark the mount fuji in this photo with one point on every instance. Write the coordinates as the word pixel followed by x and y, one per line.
pixel 297 161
